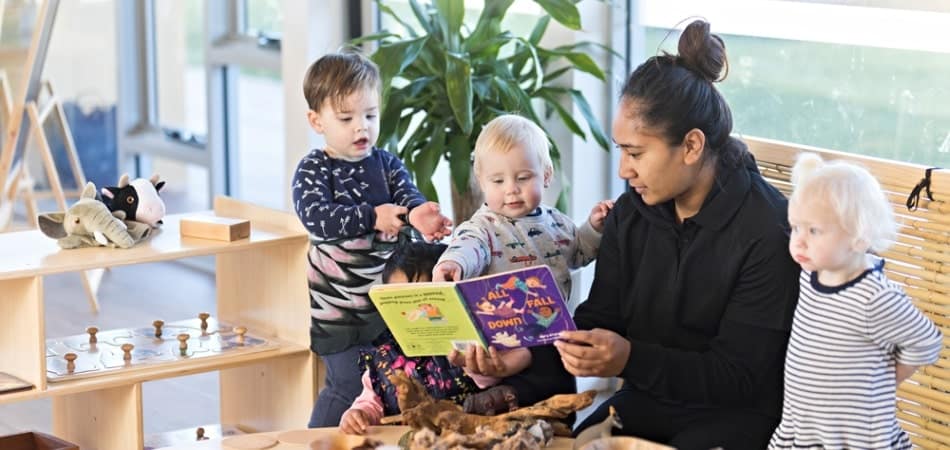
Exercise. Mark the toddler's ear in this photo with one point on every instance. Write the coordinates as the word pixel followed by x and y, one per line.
pixel 548 174
pixel 860 245
pixel 314 120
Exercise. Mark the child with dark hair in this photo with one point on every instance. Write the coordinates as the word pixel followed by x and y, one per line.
pixel 410 263
pixel 353 198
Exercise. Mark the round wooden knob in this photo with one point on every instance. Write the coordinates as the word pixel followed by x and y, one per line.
pixel 158 327
pixel 183 343
pixel 127 348
pixel 92 334
pixel 239 331
pixel 200 433
pixel 204 320
pixel 70 362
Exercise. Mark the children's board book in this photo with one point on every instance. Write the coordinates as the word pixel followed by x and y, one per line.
pixel 519 308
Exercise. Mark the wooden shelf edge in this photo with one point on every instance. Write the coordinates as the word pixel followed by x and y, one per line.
pixel 152 373
pixel 93 263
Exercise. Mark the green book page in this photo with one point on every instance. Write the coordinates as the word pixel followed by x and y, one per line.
pixel 427 319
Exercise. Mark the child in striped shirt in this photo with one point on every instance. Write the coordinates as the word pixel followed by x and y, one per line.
pixel 856 335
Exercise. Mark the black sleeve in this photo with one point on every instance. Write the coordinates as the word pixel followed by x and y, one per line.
pixel 750 345
pixel 600 310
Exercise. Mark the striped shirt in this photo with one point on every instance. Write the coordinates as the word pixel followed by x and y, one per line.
pixel 840 366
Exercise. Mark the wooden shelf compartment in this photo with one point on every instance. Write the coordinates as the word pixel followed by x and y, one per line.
pixel 260 284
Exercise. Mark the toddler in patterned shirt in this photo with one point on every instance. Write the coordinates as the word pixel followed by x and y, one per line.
pixel 513 230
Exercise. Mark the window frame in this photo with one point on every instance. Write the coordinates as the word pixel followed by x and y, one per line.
pixel 140 135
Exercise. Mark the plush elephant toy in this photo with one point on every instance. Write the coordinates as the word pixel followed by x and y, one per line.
pixel 89 223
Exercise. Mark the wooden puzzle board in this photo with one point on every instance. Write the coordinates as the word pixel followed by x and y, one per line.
pixel 106 355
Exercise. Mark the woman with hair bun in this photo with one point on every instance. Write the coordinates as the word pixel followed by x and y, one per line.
pixel 694 291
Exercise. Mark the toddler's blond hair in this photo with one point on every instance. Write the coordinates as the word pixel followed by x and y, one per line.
pixel 849 192
pixel 509 131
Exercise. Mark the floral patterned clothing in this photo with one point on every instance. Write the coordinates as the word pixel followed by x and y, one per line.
pixel 441 379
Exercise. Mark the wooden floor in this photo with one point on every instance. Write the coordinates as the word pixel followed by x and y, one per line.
pixel 131 296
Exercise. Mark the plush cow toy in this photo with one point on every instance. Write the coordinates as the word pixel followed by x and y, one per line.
pixel 138 200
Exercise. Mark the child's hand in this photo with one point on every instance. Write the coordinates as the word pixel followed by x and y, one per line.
pixel 447 271
pixel 354 421
pixel 491 362
pixel 387 218
pixel 903 372
pixel 428 219
pixel 599 213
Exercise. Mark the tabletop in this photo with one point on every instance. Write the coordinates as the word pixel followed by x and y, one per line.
pixel 294 439
pixel 299 439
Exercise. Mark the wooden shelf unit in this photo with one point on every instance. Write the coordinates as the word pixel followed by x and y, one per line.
pixel 260 284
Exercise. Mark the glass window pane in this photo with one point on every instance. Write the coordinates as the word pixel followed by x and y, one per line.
pixel 186 185
pixel 261 137
pixel 845 91
pixel 263 16
pixel 16 30
pixel 179 36
pixel 88 91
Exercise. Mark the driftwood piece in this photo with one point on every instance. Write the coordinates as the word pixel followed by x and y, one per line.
pixel 420 411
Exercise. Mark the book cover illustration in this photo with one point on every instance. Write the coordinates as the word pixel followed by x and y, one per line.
pixel 425 318
pixel 521 308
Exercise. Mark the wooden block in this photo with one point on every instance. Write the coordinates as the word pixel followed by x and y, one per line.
pixel 215 227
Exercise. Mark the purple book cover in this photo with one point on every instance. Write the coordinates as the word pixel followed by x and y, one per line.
pixel 521 308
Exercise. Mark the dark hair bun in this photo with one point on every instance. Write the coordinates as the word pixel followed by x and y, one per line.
pixel 703 52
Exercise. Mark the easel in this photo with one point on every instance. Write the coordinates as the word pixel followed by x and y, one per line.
pixel 27 118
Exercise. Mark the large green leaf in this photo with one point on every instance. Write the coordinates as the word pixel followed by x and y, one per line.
pixel 482 89
pixel 382 35
pixel 512 97
pixel 539 28
pixel 563 11
pixel 537 71
pixel 426 161
pixel 389 117
pixel 489 22
pixel 451 13
pixel 581 61
pixel 587 47
pixel 460 163
pixel 389 12
pixel 551 76
pixel 480 49
pixel 592 123
pixel 392 58
pixel 422 16
pixel 431 60
pixel 550 96
pixel 458 84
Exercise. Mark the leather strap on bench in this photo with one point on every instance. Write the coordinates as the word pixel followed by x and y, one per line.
pixel 914 198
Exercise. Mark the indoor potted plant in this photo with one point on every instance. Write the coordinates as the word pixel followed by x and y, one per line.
pixel 442 81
